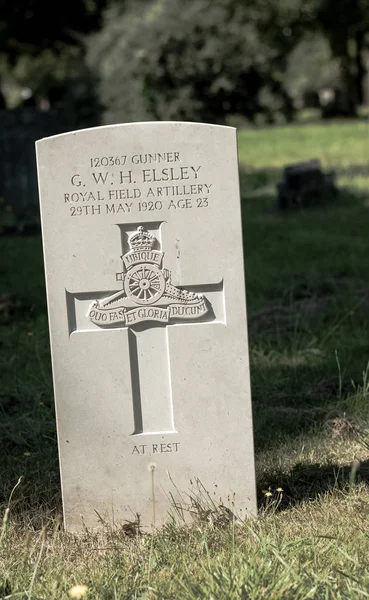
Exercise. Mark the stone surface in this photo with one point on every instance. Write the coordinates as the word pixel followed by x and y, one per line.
pixel 144 267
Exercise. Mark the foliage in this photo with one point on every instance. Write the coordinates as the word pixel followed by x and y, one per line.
pixel 41 54
pixel 192 59
pixel 198 60
pixel 310 70
pixel 30 26
pixel 345 23
pixel 61 82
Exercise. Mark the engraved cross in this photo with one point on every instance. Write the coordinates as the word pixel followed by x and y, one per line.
pixel 146 306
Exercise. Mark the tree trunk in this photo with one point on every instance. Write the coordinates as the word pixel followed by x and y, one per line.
pixel 360 69
pixel 346 99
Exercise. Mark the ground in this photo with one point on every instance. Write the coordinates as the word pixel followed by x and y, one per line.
pixel 307 280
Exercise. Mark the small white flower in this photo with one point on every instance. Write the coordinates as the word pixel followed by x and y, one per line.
pixel 78 591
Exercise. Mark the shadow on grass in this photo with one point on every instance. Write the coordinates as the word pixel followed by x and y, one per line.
pixel 29 455
pixel 263 181
pixel 29 450
pixel 307 482
pixel 22 280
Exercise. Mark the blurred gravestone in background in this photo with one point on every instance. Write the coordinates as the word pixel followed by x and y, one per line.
pixel 305 184
pixel 19 129
pixel 72 104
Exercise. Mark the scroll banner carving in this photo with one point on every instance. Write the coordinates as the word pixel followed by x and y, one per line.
pixel 122 316
pixel 148 293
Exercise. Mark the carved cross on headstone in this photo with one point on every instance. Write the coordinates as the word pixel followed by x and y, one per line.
pixel 146 306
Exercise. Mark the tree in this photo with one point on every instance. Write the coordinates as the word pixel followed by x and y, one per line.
pixel 311 70
pixel 30 26
pixel 195 60
pixel 41 47
pixel 345 23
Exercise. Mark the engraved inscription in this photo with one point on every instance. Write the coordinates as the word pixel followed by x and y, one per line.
pixel 129 184
pixel 148 285
pixel 149 449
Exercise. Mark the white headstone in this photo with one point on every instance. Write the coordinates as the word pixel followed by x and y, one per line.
pixel 144 267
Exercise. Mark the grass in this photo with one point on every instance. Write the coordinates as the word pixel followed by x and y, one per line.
pixel 308 307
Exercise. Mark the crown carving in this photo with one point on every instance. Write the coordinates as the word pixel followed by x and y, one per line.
pixel 141 240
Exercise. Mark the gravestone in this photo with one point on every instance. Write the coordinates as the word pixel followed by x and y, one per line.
pixel 305 184
pixel 144 268
pixel 19 129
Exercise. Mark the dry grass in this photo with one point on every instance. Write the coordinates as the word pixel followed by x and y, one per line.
pixel 315 549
